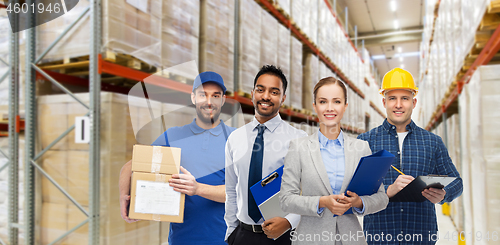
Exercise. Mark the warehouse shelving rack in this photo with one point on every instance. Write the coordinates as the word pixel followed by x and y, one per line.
pixel 450 99
pixel 30 162
pixel 125 72
pixel 316 51
pixel 97 67
pixel 267 4
pixel 491 48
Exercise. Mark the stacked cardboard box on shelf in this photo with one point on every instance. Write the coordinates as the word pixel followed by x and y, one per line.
pixel 490 95
pixel 357 115
pixel 268 38
pixel 326 35
pixel 163 34
pixel 180 31
pixel 217 39
pixel 297 12
pixel 373 96
pixel 284 5
pixel 361 110
pixel 182 25
pixel 166 33
pixel 295 73
pixel 453 145
pixel 321 28
pixel 465 161
pixel 310 20
pixel 352 99
pixel 310 78
pixel 249 49
pixel 324 71
pixel 479 147
pixel 453 37
pixel 366 66
pixel 284 57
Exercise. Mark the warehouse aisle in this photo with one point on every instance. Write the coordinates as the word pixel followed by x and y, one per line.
pixel 446 227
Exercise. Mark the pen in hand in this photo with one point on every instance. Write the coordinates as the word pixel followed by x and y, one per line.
pixel 399 171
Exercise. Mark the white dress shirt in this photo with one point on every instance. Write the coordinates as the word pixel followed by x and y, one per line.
pixel 277 136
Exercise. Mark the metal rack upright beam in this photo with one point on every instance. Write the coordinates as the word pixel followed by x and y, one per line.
pixel 95 112
pixel 13 227
pixel 29 133
pixel 31 118
pixel 236 67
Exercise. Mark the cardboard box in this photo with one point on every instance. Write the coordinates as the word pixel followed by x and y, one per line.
pixel 156 159
pixel 54 163
pixel 54 221
pixel 152 198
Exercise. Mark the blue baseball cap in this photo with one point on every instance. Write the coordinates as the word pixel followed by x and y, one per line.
pixel 207 77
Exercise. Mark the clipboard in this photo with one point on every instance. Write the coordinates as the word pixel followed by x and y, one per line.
pixel 369 174
pixel 413 191
pixel 266 195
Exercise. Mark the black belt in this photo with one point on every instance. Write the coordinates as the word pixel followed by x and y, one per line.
pixel 252 228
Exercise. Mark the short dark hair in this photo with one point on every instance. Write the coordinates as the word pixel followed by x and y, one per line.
pixel 327 81
pixel 272 70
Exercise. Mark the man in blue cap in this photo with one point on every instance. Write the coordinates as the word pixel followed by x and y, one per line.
pixel 202 143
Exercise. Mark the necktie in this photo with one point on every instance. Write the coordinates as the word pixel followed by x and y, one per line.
pixel 255 172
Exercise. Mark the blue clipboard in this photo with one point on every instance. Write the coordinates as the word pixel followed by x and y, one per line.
pixel 369 174
pixel 266 195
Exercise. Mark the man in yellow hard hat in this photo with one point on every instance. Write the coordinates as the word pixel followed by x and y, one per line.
pixel 418 152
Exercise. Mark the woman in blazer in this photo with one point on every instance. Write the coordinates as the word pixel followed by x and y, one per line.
pixel 317 171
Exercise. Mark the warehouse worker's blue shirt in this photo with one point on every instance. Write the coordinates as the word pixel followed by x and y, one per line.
pixel 202 154
pixel 424 153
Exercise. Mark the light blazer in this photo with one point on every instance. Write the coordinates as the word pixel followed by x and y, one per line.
pixel 305 172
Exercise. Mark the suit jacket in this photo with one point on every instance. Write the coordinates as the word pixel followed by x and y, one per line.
pixel 305 180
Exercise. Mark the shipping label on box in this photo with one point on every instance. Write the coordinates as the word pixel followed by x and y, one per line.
pixel 152 198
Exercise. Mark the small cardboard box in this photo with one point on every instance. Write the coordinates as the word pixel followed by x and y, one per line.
pixel 152 198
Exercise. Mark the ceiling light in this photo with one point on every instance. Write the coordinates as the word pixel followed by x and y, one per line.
pixel 396 24
pixel 400 59
pixel 399 50
pixel 402 66
pixel 409 54
pixel 393 6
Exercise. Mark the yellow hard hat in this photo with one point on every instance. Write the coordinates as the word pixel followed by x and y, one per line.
pixel 398 78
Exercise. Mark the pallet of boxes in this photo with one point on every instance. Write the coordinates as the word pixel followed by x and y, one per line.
pixel 152 198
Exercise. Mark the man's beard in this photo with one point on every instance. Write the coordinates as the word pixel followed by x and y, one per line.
pixel 210 118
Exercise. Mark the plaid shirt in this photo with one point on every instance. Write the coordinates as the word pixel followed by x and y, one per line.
pixel 424 153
